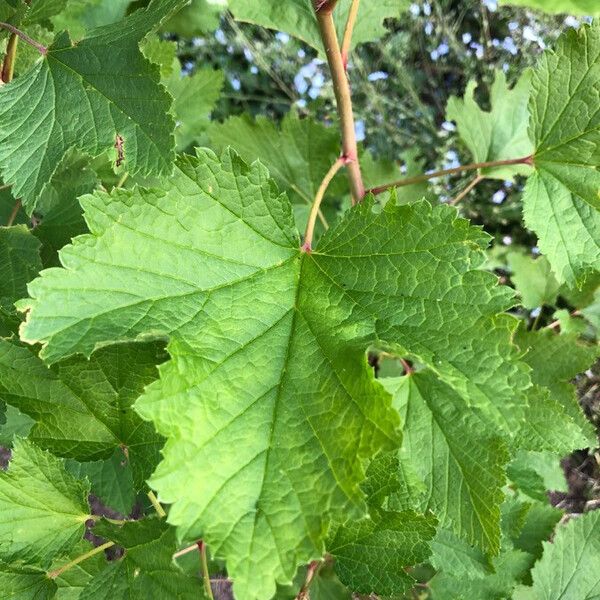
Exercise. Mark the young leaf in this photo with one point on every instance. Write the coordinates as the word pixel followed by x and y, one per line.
pixel 111 88
pixel 297 155
pixel 533 279
pixel 569 567
pixel 463 468
pixel 499 134
pixel 83 408
pixel 18 582
pixel 297 17
pixel 195 98
pixel 43 509
pixel 561 202
pixel 146 570
pixel 371 555
pixel 19 263
pixel 218 267
pixel 580 7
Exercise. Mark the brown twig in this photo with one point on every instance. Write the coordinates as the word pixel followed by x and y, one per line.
pixel 313 568
pixel 341 88
pixel 472 185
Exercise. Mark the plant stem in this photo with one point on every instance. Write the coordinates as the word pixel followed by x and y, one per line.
pixel 14 213
pixel 313 567
pixel 41 49
pixel 341 87
pixel 122 180
pixel 314 211
pixel 556 323
pixel 8 66
pixel 205 573
pixel 472 185
pixel 526 160
pixel 347 41
pixel 537 320
pixel 79 559
pixel 156 504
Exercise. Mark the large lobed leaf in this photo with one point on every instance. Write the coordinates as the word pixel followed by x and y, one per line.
pixel 267 346
pixel 561 202
pixel 88 95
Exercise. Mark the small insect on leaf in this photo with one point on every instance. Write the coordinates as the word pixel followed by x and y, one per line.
pixel 119 146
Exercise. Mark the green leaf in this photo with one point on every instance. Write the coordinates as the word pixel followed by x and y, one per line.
pixel 122 100
pixel 592 311
pixel 83 409
pixel 555 360
pixel 43 509
pixel 199 18
pixel 451 554
pixel 371 555
pixel 195 98
pixel 146 570
pixel 41 10
pixel 219 268
pixel 462 467
pixel 534 473
pixel 499 134
pixel 297 17
pixel 538 527
pixel 19 263
pixel 561 201
pixel 533 280
pixel 297 155
pixel 80 16
pixel 17 424
pixel 59 210
pixel 510 567
pixel 111 480
pixel 578 7
pixel 18 582
pixel 569 567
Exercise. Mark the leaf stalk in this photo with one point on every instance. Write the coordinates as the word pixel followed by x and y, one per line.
pixel 58 572
pixel 205 573
pixel 347 41
pixel 41 49
pixel 526 160
pixel 316 207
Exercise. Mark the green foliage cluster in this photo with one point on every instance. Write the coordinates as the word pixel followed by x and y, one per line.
pixel 362 409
